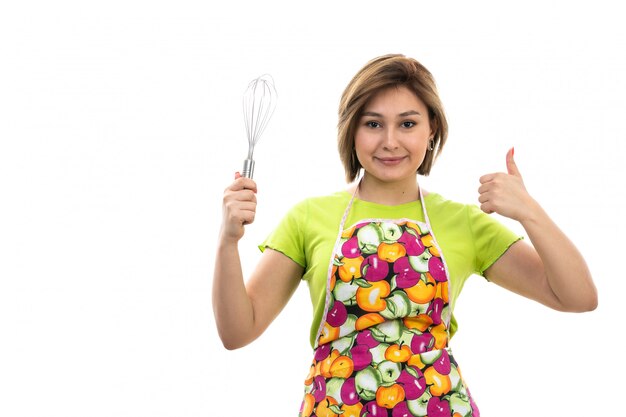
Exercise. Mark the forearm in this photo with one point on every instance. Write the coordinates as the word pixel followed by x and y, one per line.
pixel 232 307
pixel 565 269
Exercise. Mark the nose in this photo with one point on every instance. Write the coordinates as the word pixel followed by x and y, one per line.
pixel 390 139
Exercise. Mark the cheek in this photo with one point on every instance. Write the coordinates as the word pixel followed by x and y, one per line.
pixel 358 151
pixel 362 150
pixel 361 144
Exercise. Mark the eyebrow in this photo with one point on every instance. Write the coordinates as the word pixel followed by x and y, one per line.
pixel 403 114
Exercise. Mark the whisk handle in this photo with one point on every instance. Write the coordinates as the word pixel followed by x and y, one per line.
pixel 248 168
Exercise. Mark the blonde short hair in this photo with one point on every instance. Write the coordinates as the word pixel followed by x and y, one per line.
pixel 393 70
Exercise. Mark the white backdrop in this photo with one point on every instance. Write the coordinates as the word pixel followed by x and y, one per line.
pixel 121 124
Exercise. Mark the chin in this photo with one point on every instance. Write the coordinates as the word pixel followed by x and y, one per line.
pixel 393 179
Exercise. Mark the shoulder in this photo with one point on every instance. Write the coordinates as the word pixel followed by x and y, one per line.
pixel 461 219
pixel 321 205
pixel 464 218
pixel 323 202
pixel 447 210
pixel 439 206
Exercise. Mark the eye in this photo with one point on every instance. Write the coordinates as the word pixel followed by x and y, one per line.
pixel 408 124
pixel 372 124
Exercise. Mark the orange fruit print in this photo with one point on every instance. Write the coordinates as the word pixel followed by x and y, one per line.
pixel 372 298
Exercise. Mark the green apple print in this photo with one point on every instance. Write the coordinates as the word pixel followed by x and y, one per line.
pixel 367 382
pixel 460 403
pixel 419 407
pixel 378 352
pixel 333 388
pixel 420 262
pixel 406 337
pixel 389 370
pixel 369 237
pixel 347 327
pixel 344 344
pixel 345 292
pixel 387 331
pixel 398 305
pixel 430 357
pixel 391 232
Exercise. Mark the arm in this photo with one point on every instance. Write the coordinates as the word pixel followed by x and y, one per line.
pixel 244 310
pixel 552 270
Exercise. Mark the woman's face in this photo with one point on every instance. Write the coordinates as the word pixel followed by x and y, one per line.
pixel 392 135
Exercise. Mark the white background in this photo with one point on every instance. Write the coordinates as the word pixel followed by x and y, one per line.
pixel 121 124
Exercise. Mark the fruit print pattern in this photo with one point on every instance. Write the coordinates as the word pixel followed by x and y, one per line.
pixel 382 346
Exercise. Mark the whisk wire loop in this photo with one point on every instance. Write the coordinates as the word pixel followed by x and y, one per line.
pixel 259 103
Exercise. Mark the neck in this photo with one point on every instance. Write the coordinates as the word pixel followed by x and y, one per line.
pixel 391 194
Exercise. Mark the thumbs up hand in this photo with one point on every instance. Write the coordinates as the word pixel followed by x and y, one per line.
pixel 506 194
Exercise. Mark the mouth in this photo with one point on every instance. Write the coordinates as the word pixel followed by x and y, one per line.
pixel 391 160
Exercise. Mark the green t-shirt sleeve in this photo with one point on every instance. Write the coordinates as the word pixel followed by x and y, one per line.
pixel 491 238
pixel 288 237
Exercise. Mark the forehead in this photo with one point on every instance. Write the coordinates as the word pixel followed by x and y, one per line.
pixel 395 98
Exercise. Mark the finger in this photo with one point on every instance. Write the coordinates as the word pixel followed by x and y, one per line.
pixel 248 217
pixel 486 208
pixel 240 212
pixel 243 195
pixel 237 175
pixel 242 218
pixel 511 166
pixel 247 213
pixel 486 178
pixel 486 187
pixel 243 183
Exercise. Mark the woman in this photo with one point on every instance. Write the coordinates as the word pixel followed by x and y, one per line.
pixel 385 260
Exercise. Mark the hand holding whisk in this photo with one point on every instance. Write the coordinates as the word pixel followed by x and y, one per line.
pixel 259 102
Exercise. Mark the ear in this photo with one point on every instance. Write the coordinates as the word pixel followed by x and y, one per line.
pixel 433 131
pixel 434 126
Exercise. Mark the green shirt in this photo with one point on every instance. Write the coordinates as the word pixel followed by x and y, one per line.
pixel 470 240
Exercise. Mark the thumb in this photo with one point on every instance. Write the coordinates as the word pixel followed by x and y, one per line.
pixel 511 166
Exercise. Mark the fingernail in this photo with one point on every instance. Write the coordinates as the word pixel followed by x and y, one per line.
pixel 513 151
pixel 237 175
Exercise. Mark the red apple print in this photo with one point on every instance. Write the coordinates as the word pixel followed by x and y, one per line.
pixel 413 381
pixel 348 392
pixel 412 244
pixel 361 357
pixel 434 310
pixel 358 226
pixel 442 365
pixel 372 409
pixel 406 276
pixel 350 248
pixel 322 352
pixel 421 343
pixel 319 388
pixel 374 269
pixel 365 338
pixel 438 407
pixel 436 269
pixel 337 315
pixel 401 410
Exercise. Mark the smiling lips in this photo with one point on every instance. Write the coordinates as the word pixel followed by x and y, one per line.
pixel 390 160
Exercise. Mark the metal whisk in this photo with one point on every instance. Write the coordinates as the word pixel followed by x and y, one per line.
pixel 259 102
